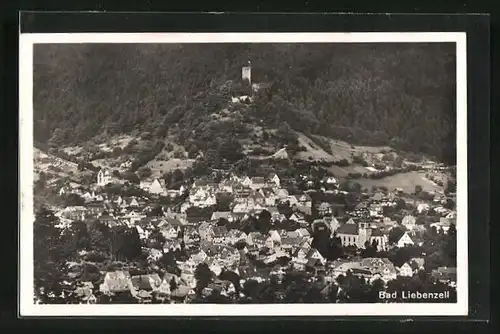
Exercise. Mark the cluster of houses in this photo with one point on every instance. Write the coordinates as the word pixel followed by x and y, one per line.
pixel 231 249
pixel 120 284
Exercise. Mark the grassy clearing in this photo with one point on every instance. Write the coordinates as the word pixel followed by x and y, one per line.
pixel 312 150
pixel 405 181
pixel 169 151
pixel 372 149
pixel 106 163
pixel 73 150
pixel 158 168
pixel 340 150
pixel 341 172
pixel 120 141
pixel 49 163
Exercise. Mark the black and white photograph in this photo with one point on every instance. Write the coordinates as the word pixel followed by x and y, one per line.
pixel 243 173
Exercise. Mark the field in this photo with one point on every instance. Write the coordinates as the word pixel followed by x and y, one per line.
pixel 158 168
pixel 48 163
pixel 342 172
pixel 72 150
pixel 120 141
pixel 169 150
pixel 162 163
pixel 340 150
pixel 313 151
pixel 106 163
pixel 372 149
pixel 405 181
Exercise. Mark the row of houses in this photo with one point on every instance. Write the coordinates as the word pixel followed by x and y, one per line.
pixel 174 288
pixel 144 287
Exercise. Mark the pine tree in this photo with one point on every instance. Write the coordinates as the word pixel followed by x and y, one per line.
pixel 48 257
pixel 173 284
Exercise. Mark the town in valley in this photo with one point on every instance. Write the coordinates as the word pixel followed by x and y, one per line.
pixel 276 215
pixel 239 236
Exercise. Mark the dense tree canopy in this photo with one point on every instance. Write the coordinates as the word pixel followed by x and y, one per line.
pixel 398 94
pixel 50 251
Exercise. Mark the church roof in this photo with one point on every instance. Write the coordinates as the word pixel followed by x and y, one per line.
pixel 348 229
pixel 258 180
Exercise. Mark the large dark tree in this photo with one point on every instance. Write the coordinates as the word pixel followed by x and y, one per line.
pixel 173 284
pixel 156 211
pixel 168 262
pixel 233 277
pixel 450 246
pixel 296 287
pixel 81 235
pixel 330 247
pixel 132 249
pixel 203 276
pixel 157 239
pixel 250 288
pixel 49 263
pixel 222 222
pixel 73 200
pixel 99 234
pixel 223 202
pixel 264 221
pixel 395 233
pixel 370 249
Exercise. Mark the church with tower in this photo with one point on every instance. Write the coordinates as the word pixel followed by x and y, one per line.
pixel 103 178
pixel 358 234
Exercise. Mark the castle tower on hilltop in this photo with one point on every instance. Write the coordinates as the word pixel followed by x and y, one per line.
pixel 246 73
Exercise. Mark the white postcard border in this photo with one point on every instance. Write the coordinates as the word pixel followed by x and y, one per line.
pixel 27 306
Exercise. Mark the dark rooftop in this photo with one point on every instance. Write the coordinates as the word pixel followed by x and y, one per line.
pixel 348 229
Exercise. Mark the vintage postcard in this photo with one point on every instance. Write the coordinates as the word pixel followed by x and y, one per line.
pixel 234 174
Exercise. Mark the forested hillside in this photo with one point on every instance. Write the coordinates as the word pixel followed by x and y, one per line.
pixel 401 95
